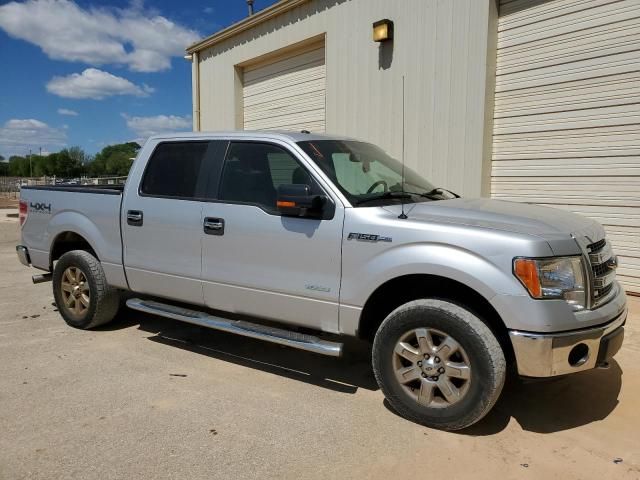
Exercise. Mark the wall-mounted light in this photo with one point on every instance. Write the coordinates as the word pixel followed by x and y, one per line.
pixel 382 30
pixel 188 57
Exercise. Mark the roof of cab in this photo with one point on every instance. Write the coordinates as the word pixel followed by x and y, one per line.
pixel 249 135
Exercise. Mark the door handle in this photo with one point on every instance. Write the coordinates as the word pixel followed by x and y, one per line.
pixel 214 226
pixel 134 218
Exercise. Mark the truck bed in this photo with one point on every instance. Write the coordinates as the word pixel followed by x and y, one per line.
pixel 90 211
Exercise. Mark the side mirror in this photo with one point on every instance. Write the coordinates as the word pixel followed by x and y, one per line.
pixel 297 201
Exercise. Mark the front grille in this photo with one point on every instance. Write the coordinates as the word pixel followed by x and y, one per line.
pixel 600 270
pixel 603 262
pixel 597 246
pixel 603 292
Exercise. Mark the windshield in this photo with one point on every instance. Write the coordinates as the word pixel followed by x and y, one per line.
pixel 365 174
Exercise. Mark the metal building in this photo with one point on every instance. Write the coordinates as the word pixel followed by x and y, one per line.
pixel 526 100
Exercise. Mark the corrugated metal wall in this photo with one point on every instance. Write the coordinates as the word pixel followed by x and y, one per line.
pixel 567 114
pixel 446 50
pixel 286 93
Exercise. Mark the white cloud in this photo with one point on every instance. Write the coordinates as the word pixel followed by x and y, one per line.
pixel 144 127
pixel 143 40
pixel 18 136
pixel 66 111
pixel 96 84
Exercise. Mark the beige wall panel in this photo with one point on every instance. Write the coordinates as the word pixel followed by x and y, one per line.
pixel 445 49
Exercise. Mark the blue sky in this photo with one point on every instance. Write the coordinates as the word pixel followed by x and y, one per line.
pixel 93 73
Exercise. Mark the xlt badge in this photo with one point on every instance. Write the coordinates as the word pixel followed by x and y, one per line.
pixel 368 237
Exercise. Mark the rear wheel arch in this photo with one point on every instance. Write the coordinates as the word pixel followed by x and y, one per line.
pixel 401 290
pixel 68 241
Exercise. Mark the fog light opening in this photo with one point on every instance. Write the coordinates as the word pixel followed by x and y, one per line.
pixel 578 355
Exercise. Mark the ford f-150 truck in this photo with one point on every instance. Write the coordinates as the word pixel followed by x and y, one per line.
pixel 303 239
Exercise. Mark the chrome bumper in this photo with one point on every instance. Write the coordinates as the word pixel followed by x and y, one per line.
pixel 551 354
pixel 23 255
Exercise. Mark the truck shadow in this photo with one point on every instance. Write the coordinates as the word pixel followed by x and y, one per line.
pixel 543 406
pixel 553 405
pixel 345 374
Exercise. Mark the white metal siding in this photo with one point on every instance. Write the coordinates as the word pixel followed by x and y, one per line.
pixel 567 114
pixel 445 49
pixel 287 94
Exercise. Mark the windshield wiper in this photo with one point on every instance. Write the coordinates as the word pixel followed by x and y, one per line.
pixel 436 191
pixel 384 196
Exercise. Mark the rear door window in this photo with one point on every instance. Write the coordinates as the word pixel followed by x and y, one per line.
pixel 175 170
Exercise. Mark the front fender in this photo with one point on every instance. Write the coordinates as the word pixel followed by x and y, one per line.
pixel 489 277
pixel 361 277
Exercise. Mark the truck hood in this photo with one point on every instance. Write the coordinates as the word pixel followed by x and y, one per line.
pixel 545 222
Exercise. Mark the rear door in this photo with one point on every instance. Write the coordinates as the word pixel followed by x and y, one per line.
pixel 259 263
pixel 162 221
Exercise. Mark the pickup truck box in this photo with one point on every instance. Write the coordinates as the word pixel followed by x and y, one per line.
pixel 303 239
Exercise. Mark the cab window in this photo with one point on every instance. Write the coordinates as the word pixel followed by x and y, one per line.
pixel 252 173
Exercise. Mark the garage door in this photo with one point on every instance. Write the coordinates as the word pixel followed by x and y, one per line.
pixel 567 114
pixel 286 93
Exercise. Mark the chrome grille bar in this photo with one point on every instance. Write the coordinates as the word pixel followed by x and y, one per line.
pixel 601 256
pixel 603 271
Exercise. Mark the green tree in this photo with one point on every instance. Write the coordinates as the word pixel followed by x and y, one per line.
pixel 4 167
pixel 68 162
pixel 18 166
pixel 78 155
pixel 114 160
pixel 42 165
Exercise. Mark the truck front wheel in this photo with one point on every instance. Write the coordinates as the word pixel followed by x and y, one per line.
pixel 438 364
pixel 80 289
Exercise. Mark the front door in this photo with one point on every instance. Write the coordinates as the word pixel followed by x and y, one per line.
pixel 260 263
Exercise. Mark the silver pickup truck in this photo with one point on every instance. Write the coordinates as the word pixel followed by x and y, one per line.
pixel 302 239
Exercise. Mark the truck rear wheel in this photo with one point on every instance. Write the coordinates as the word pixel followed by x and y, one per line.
pixel 438 364
pixel 82 294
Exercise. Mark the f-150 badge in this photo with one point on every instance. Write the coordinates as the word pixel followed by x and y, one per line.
pixel 368 237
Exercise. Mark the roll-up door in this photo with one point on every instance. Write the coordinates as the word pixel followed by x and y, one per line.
pixel 286 93
pixel 567 114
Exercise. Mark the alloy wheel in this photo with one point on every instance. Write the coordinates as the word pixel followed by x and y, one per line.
pixel 431 367
pixel 76 293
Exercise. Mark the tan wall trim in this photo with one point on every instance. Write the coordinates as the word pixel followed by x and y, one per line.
pixel 195 85
pixel 284 52
pixel 238 86
pixel 490 88
pixel 246 24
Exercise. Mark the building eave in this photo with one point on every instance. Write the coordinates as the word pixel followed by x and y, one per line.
pixel 245 24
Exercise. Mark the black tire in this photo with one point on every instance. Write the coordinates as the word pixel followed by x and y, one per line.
pixel 103 301
pixel 481 349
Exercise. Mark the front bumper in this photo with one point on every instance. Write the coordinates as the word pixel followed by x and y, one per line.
pixel 551 354
pixel 23 255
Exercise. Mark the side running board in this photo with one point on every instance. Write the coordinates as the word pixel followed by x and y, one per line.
pixel 301 341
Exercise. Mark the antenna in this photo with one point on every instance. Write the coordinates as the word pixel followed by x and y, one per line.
pixel 402 215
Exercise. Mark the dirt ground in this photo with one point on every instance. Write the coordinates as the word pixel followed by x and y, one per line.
pixel 146 397
pixel 8 201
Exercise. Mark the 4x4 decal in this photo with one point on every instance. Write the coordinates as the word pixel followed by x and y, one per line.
pixel 40 207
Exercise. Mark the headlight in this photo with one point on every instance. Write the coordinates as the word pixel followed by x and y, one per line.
pixel 561 277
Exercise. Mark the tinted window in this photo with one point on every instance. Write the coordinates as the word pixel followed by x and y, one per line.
pixel 253 172
pixel 174 169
